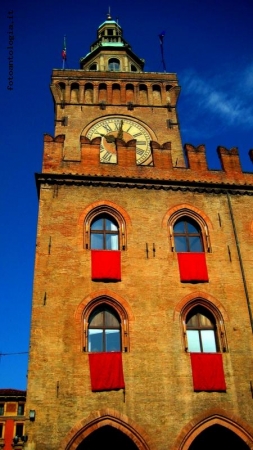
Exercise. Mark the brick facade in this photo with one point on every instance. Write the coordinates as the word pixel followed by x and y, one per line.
pixel 158 409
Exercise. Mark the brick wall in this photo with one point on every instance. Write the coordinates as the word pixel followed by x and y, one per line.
pixel 159 393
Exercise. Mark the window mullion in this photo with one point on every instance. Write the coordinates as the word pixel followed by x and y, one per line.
pixel 200 341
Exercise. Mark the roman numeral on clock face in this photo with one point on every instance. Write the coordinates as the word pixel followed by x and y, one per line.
pixel 107 127
pixel 118 125
pixel 106 156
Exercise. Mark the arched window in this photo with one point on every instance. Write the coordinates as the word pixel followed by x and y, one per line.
pixel 105 323
pixel 104 330
pixel 104 233
pixel 188 229
pixel 102 92
pixel 74 92
pixel 113 64
pixel 61 87
pixel 88 93
pixel 201 330
pixel 187 236
pixel 104 229
pixel 157 96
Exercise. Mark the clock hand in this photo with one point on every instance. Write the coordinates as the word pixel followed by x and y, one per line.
pixel 120 132
pixel 108 137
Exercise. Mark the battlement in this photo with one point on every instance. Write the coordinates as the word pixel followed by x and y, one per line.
pixel 87 163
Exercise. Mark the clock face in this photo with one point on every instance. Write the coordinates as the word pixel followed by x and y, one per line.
pixel 112 128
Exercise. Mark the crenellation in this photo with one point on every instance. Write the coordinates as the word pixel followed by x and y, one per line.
pixel 229 159
pixel 162 158
pixel 84 158
pixel 196 157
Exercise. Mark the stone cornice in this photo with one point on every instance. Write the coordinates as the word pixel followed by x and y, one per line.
pixel 140 183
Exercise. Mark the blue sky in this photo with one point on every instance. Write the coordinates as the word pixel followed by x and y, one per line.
pixel 209 44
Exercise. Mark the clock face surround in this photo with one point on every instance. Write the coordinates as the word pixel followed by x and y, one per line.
pixel 118 127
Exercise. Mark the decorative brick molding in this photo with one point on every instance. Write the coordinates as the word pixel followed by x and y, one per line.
pixel 206 420
pixel 99 294
pixel 185 208
pixel 100 419
pixel 199 295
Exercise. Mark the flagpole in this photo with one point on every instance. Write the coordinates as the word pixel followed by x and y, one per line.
pixel 161 36
pixel 64 53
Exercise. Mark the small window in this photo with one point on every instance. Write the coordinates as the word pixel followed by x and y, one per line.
pixel 1 430
pixel 104 233
pixel 21 409
pixel 19 429
pixel 1 409
pixel 133 68
pixel 187 236
pixel 114 64
pixel 93 66
pixel 201 331
pixel 104 330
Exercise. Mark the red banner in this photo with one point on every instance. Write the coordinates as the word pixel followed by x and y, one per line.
pixel 192 267
pixel 207 372
pixel 106 265
pixel 106 371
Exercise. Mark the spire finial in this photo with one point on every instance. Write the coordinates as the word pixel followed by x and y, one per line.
pixel 109 17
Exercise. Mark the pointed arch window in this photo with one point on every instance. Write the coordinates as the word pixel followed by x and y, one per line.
pixel 203 328
pixel 104 233
pixel 204 338
pixel 201 331
pixel 187 235
pixel 188 231
pixel 104 330
pixel 190 240
pixel 105 326
pixel 104 229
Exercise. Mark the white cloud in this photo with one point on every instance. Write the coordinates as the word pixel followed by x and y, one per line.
pixel 226 97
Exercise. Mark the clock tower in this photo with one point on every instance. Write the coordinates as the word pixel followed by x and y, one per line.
pixel 111 98
pixel 141 330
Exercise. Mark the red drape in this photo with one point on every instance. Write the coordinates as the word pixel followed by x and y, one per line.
pixel 106 371
pixel 192 267
pixel 207 372
pixel 9 434
pixel 106 265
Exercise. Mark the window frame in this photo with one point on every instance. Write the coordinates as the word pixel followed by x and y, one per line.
pixel 199 328
pixel 187 234
pixel 219 326
pixel 192 215
pixel 103 309
pixel 21 425
pixel 104 232
pixel 120 311
pixel 115 215
pixel 22 406
pixel 112 62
